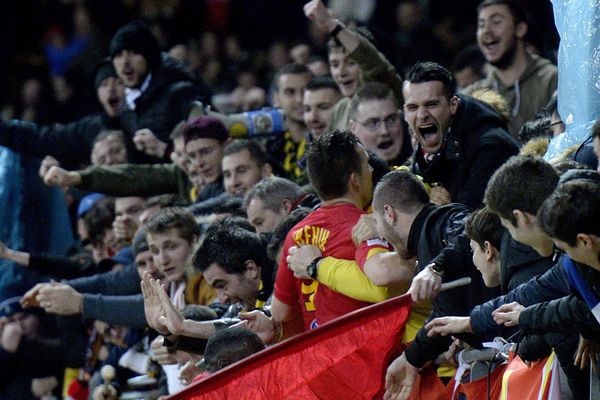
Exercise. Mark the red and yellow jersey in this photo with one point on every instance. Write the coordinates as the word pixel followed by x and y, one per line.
pixel 330 229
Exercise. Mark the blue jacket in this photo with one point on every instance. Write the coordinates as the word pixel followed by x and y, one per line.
pixel 551 285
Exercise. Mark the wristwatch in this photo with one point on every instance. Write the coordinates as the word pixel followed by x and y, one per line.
pixel 436 269
pixel 311 270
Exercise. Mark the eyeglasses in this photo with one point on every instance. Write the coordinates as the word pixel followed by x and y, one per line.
pixel 373 124
pixel 557 127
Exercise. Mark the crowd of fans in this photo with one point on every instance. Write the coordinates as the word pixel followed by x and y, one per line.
pixel 373 176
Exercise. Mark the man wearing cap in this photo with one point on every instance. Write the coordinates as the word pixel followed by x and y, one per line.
pixel 158 91
pixel 70 145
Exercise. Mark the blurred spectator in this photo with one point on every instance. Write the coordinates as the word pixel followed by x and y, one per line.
pixel 468 66
pixel 525 80
pixel 415 39
pixel 318 66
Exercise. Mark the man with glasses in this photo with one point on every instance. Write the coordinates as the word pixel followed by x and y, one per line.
pixel 376 120
pixel 461 140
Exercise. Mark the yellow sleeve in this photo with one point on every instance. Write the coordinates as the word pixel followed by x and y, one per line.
pixel 345 277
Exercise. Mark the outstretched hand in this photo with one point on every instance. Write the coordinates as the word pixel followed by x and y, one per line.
pixel 60 298
pixel 260 324
pixel 153 308
pixel 171 318
pixel 508 314
pixel 448 326
pixel 29 299
pixel 316 11
pixel 57 176
pixel 399 379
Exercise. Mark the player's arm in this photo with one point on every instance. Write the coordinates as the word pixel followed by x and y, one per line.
pixel 342 276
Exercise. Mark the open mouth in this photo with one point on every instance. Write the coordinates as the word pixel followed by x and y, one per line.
pixel 385 145
pixel 239 192
pixel 317 127
pixel 114 102
pixel 348 84
pixel 491 44
pixel 427 129
pixel 128 73
pixel 428 133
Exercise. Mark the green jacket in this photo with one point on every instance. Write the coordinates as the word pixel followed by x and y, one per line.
pixel 528 95
pixel 136 180
pixel 375 67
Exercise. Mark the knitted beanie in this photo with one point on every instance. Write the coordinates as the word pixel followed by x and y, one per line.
pixel 137 37
pixel 139 242
pixel 104 69
pixel 204 127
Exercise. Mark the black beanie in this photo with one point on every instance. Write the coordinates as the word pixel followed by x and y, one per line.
pixel 136 37
pixel 104 69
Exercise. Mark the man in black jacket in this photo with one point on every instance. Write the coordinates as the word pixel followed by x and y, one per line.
pixel 462 141
pixel 70 144
pixel 434 234
pixel 158 91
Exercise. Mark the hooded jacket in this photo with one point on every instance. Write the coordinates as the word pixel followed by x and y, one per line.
pixel 528 95
pixel 476 145
pixel 164 103
pixel 519 263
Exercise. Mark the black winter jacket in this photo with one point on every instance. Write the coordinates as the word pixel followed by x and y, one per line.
pixel 519 263
pixel 162 105
pixel 437 236
pixel 70 144
pixel 476 144
pixel 569 314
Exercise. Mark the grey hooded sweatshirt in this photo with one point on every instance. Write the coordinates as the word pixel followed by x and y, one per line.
pixel 528 95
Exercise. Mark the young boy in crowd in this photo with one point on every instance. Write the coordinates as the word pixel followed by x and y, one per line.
pixel 485 234
pixel 171 234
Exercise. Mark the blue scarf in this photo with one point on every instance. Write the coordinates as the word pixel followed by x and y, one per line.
pixel 578 283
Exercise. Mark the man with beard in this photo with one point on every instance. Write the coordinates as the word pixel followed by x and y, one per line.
pixel 158 92
pixel 320 97
pixel 525 80
pixel 461 140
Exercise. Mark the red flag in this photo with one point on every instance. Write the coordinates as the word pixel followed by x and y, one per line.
pixel 346 358
pixel 540 381
pixel 479 389
pixel 429 386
